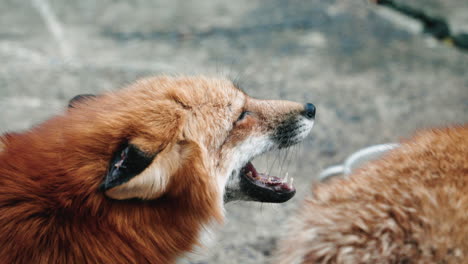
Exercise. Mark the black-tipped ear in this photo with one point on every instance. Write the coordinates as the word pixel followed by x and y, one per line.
pixel 79 98
pixel 128 161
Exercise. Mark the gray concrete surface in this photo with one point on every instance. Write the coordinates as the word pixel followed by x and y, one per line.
pixel 373 77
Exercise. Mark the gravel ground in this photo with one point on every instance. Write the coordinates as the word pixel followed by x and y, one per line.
pixel 372 75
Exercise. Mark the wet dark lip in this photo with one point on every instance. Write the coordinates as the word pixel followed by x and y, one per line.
pixel 265 188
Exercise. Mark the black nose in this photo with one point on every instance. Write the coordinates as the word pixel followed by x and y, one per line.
pixel 309 111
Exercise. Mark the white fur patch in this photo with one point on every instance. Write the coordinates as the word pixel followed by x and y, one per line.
pixel 206 239
pixel 243 153
pixel 306 127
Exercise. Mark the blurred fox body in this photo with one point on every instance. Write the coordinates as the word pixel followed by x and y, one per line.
pixel 136 175
pixel 409 207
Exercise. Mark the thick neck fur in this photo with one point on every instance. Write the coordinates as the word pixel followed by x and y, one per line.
pixel 51 209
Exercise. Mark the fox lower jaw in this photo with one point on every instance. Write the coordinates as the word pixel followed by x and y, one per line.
pixel 244 153
pixel 245 183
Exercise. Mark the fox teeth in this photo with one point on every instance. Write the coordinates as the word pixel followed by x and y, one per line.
pixel 286 177
pixel 249 174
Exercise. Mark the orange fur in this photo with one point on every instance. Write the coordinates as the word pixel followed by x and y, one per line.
pixel 51 208
pixel 409 207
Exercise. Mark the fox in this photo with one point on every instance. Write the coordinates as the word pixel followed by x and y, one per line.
pixel 137 175
pixel 410 206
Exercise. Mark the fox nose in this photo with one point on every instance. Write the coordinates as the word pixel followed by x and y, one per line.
pixel 309 111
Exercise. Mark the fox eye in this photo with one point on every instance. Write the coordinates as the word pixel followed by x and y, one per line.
pixel 243 115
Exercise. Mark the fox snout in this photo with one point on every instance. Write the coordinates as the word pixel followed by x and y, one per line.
pixel 281 125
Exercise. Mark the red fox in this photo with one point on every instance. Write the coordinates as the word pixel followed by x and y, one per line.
pixel 411 206
pixel 135 176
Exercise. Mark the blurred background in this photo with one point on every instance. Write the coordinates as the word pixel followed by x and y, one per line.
pixel 371 72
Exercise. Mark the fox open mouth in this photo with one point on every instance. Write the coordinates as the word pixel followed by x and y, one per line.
pixel 264 188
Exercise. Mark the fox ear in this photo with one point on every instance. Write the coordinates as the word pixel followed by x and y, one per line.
pixel 79 98
pixel 132 174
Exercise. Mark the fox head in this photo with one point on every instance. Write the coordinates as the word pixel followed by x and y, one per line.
pixel 165 136
pixel 168 134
